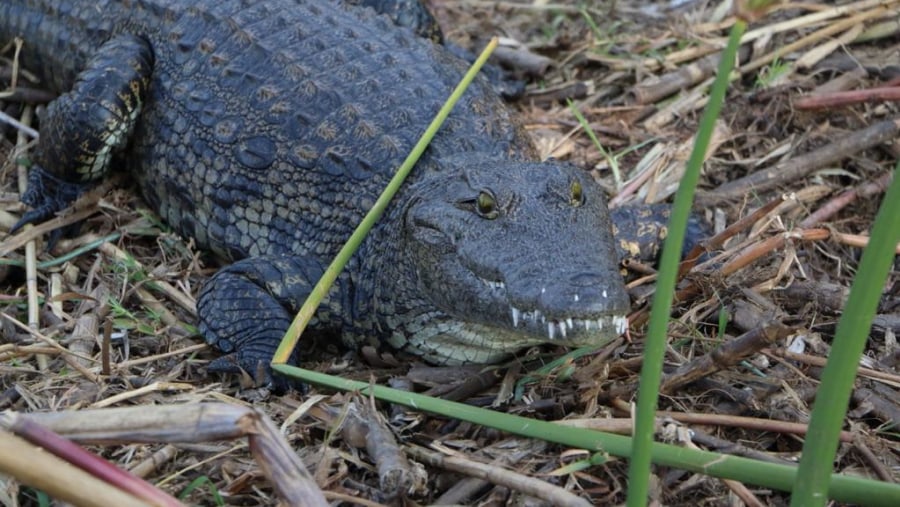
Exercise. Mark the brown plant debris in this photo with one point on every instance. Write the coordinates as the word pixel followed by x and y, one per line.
pixel 805 146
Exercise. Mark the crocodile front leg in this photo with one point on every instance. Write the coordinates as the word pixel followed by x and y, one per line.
pixel 245 309
pixel 82 130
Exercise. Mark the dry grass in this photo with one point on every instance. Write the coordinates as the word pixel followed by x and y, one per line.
pixel 112 326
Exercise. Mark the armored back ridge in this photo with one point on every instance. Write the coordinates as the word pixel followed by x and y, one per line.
pixel 266 129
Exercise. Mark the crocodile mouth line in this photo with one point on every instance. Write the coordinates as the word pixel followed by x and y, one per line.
pixel 560 328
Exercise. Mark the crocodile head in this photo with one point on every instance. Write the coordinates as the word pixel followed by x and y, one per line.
pixel 507 255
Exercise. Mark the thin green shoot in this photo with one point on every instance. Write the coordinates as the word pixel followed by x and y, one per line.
pixel 850 338
pixel 655 345
pixel 844 488
pixel 610 159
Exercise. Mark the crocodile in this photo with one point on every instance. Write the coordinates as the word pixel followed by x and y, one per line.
pixel 265 129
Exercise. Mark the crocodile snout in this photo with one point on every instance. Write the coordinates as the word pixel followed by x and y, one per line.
pixel 583 295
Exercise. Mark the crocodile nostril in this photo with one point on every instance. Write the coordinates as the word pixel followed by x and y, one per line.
pixel 586 280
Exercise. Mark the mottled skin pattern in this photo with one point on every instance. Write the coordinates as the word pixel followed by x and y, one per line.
pixel 268 129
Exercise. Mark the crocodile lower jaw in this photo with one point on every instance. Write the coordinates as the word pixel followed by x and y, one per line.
pixel 445 341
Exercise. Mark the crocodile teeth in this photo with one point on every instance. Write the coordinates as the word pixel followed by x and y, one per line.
pixel 560 328
pixel 621 324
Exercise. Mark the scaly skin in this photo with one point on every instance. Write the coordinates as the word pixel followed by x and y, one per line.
pixel 267 130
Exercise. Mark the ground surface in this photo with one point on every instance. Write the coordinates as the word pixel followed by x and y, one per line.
pixel 609 61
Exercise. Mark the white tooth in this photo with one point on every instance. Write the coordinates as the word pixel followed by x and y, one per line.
pixel 587 325
pixel 543 290
pixel 562 330
pixel 570 323
pixel 576 298
pixel 600 324
pixel 551 329
pixel 515 317
pixel 604 292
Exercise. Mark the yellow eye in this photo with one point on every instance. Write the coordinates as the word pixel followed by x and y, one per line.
pixel 576 194
pixel 486 205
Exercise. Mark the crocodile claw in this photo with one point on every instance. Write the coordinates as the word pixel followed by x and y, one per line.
pixel 47 195
pixel 262 375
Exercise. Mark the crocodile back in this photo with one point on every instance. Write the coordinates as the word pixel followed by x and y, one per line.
pixel 271 125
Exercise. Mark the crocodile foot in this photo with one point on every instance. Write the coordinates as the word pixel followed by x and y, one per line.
pixel 47 195
pixel 246 308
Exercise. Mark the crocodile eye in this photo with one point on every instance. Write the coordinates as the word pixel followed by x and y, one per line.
pixel 576 194
pixel 486 205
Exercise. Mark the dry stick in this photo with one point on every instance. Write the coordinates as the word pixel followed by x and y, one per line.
pixel 873 461
pixel 719 239
pixel 500 476
pixel 16 124
pixel 53 475
pixel 155 387
pixel 655 88
pixel 87 325
pixel 68 356
pixel 640 316
pixel 798 167
pixel 279 462
pixel 624 425
pixel 820 52
pixel 725 355
pixel 156 357
pixel 752 253
pixel 11 351
pixel 742 492
pixel 877 186
pixel 692 53
pixel 396 476
pixel 30 248
pixel 736 487
pixel 346 498
pixel 881 406
pixel 845 98
pixel 794 23
pixel 856 240
pixel 813 38
pixel 820 362
pixel 97 467
pixel 151 464
pixel 192 423
pixel 753 423
pixel 83 207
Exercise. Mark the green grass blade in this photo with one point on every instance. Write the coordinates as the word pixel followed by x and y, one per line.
pixel 655 345
pixel 849 340
pixel 292 336
pixel 610 159
pixel 843 488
